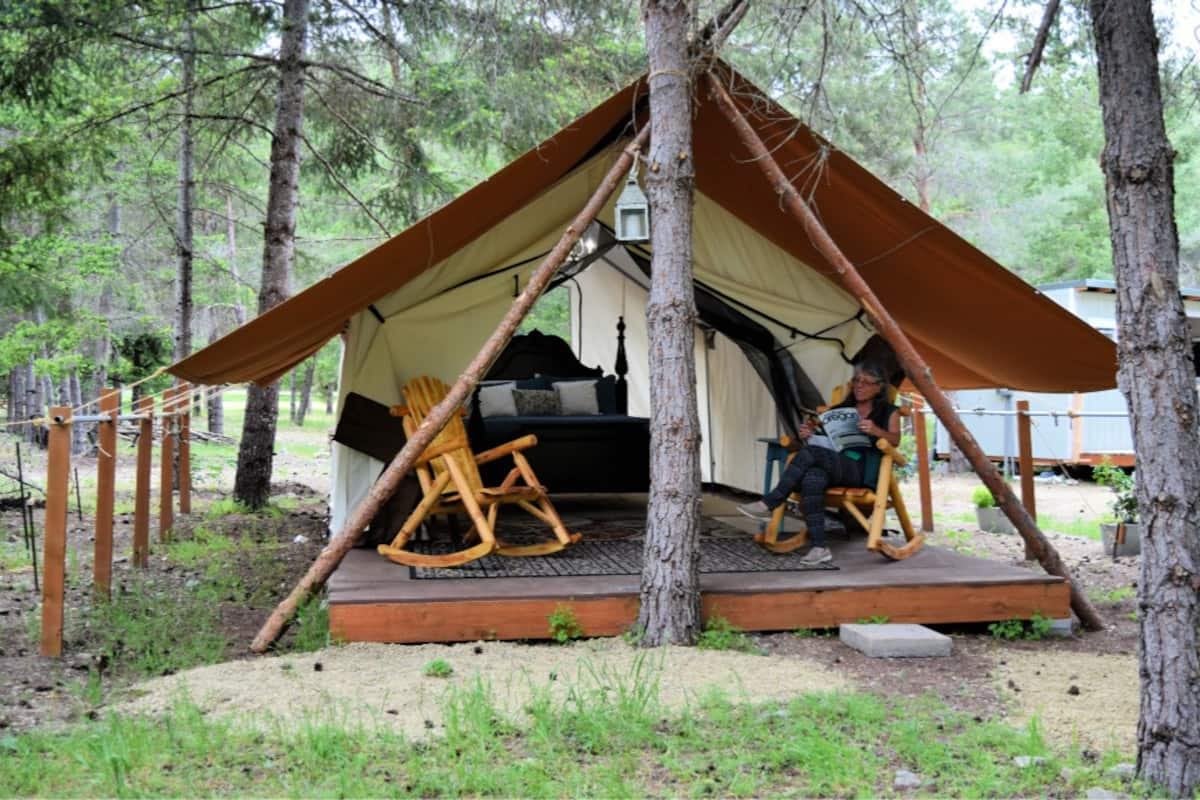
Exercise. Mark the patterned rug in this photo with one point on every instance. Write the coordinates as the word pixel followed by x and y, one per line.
pixel 608 547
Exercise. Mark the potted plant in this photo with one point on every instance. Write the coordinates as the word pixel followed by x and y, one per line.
pixel 990 518
pixel 1119 531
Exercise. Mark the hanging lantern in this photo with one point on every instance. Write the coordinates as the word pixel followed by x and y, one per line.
pixel 633 212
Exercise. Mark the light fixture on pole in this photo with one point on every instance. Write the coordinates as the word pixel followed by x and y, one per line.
pixel 633 212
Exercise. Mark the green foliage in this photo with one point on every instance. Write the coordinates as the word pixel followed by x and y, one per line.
pixel 810 633
pixel 1036 627
pixel 437 668
pixel 551 314
pixel 721 634
pixel 224 507
pixel 1124 487
pixel 612 737
pixel 1113 597
pixel 564 625
pixel 311 625
pixel 875 619
pixel 982 497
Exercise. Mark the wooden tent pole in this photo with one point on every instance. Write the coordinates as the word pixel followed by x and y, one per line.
pixel 440 414
pixel 58 471
pixel 916 368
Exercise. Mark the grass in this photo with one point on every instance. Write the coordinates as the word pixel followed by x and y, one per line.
pixel 1086 528
pixel 609 737
pixel 721 634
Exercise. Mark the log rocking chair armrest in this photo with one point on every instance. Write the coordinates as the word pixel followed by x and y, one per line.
pixel 886 448
pixel 516 445
pixel 436 451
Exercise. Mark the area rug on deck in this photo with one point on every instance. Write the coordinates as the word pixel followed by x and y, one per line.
pixel 608 547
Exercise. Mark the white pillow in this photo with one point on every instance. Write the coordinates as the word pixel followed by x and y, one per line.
pixel 497 400
pixel 577 398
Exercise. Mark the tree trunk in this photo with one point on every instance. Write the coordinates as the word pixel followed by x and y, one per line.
pixel 187 187
pixel 1157 377
pixel 292 396
pixel 329 393
pixel 216 406
pixel 670 589
pixel 239 310
pixel 306 386
pixel 253 480
pixel 79 431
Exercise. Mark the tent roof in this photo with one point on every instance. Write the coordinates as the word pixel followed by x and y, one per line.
pixel 973 321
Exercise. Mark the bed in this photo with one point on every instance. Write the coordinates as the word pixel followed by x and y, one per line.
pixel 582 447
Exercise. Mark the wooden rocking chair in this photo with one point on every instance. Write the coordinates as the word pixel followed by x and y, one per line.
pixel 885 495
pixel 449 475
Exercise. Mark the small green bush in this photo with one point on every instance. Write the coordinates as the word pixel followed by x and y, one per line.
pixel 564 625
pixel 1036 627
pixel 721 634
pixel 1124 505
pixel 438 668
pixel 982 497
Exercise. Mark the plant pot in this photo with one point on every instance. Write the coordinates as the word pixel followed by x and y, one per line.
pixel 993 520
pixel 1133 540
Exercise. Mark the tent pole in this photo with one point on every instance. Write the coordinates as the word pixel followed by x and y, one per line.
pixel 918 371
pixel 438 416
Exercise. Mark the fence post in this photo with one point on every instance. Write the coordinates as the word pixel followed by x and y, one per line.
pixel 923 470
pixel 106 473
pixel 166 472
pixel 1025 462
pixel 55 540
pixel 141 503
pixel 185 450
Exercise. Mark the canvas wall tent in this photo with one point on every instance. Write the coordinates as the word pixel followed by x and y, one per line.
pixel 423 302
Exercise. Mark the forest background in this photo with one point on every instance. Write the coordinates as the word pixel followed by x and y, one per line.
pixel 107 109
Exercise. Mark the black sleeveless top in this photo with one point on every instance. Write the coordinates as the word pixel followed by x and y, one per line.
pixel 870 457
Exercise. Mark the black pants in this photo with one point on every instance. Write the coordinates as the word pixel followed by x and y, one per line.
pixel 811 471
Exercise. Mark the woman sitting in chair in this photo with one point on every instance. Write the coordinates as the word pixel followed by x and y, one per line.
pixel 813 469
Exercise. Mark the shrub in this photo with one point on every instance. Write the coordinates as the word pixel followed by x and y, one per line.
pixel 564 625
pixel 438 668
pixel 1124 505
pixel 982 497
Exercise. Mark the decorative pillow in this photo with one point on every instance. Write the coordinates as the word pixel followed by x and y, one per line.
pixel 496 400
pixel 536 402
pixel 606 390
pixel 577 398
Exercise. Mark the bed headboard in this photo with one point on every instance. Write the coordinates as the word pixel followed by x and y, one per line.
pixel 535 352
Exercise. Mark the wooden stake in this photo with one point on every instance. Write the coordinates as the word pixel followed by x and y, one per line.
pixel 917 370
pixel 166 469
pixel 141 501
pixel 54 562
pixel 1025 464
pixel 923 470
pixel 433 423
pixel 106 474
pixel 185 450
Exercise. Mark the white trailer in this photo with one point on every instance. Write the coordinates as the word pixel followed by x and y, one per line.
pixel 1101 429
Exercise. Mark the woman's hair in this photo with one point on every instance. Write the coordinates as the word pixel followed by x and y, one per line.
pixel 872 370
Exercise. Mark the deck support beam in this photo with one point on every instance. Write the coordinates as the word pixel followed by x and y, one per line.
pixel 916 368
pixel 440 414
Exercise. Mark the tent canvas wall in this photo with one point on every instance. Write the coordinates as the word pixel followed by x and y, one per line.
pixel 423 302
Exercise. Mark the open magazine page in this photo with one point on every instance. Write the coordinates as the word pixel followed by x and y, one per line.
pixel 841 429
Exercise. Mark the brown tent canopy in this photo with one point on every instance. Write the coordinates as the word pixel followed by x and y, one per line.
pixel 975 323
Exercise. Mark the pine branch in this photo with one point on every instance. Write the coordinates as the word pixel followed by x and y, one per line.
pixel 342 185
pixel 1034 59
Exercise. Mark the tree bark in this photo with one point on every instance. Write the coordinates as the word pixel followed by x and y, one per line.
pixel 1157 377
pixel 670 588
pixel 292 396
pixel 914 366
pixel 187 188
pixel 252 483
pixel 433 423
pixel 239 310
pixel 306 387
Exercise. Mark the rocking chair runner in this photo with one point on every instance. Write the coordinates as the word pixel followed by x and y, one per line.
pixel 885 495
pixel 449 475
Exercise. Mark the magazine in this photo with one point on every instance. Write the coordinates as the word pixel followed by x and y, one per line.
pixel 839 430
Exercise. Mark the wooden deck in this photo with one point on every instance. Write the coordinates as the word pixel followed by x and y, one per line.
pixel 372 599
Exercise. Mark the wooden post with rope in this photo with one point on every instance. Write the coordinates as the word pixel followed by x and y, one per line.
pixel 1025 464
pixel 185 449
pixel 437 418
pixel 923 482
pixel 106 474
pixel 141 497
pixel 54 562
pixel 917 370
pixel 166 468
